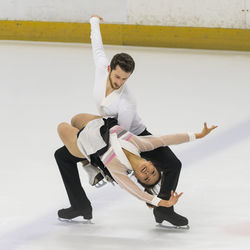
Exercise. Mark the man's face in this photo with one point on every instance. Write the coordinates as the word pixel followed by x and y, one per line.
pixel 117 77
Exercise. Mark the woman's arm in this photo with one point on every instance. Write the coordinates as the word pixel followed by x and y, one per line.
pixel 148 143
pixel 118 172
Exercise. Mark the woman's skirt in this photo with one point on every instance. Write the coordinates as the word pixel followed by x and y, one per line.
pixel 93 141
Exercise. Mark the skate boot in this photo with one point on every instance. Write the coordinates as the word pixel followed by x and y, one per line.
pixel 168 214
pixel 67 214
pixel 95 176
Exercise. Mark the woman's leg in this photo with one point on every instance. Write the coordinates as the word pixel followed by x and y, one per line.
pixel 79 121
pixel 68 135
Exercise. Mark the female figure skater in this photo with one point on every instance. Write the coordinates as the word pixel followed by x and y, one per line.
pixel 102 142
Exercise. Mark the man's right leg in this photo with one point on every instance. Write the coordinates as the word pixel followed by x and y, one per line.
pixel 80 204
pixel 171 167
pixel 171 171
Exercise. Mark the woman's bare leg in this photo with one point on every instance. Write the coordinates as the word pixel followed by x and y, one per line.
pixel 79 121
pixel 68 135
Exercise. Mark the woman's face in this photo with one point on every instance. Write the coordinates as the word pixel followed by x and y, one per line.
pixel 147 173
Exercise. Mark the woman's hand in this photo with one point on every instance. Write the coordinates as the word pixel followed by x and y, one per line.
pixel 172 200
pixel 205 131
pixel 101 19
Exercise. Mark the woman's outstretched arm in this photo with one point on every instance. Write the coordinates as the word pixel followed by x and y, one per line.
pixel 148 143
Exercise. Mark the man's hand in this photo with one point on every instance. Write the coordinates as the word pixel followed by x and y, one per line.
pixel 101 19
pixel 205 131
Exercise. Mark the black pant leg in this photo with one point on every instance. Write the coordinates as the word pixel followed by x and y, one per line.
pixel 170 166
pixel 67 165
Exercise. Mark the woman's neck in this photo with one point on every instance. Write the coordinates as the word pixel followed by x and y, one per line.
pixel 133 159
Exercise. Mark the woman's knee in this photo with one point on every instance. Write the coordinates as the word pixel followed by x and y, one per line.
pixel 65 131
pixel 74 120
pixel 80 120
pixel 62 128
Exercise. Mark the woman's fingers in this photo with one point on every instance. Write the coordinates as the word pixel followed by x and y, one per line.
pixel 205 125
pixel 208 130
pixel 212 128
pixel 176 195
pixel 180 194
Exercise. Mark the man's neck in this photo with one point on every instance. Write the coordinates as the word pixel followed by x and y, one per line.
pixel 109 88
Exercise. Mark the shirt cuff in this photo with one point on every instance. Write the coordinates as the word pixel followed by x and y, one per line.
pixel 155 201
pixel 94 19
pixel 191 136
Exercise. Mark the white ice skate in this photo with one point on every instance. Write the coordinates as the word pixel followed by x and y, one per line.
pixel 96 176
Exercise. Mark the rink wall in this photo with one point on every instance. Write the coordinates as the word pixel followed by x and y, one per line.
pixel 213 24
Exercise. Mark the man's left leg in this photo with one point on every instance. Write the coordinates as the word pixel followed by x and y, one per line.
pixel 80 204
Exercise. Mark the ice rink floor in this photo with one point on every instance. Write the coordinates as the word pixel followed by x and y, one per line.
pixel 43 84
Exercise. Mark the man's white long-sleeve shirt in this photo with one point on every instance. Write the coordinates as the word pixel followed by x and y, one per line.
pixel 120 104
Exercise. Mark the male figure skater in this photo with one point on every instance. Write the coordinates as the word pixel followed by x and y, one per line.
pixel 114 99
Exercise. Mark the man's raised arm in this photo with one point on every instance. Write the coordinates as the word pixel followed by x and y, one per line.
pixel 100 58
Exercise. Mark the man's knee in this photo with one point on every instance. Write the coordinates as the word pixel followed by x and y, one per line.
pixel 174 164
pixel 178 165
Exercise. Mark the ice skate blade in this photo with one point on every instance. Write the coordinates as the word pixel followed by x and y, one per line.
pixel 100 184
pixel 75 221
pixel 160 225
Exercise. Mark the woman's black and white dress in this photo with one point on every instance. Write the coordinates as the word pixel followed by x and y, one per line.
pixel 90 141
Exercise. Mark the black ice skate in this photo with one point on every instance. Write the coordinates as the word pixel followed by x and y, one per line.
pixel 68 214
pixel 168 214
